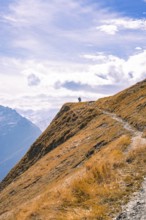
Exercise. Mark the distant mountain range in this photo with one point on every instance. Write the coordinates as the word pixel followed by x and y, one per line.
pixel 16 135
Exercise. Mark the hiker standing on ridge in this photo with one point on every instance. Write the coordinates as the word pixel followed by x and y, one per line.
pixel 79 99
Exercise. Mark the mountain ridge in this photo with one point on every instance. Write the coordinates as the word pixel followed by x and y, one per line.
pixel 78 158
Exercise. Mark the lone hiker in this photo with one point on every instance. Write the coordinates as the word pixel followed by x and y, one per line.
pixel 79 99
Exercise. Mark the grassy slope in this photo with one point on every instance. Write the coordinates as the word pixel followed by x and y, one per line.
pixel 129 104
pixel 71 119
pixel 91 170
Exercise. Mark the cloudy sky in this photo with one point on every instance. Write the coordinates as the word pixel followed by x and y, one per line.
pixel 53 51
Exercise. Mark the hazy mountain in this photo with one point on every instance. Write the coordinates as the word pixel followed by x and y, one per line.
pixel 85 165
pixel 16 135
pixel 41 118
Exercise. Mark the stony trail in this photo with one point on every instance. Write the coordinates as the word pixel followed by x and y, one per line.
pixel 125 124
pixel 137 138
pixel 136 208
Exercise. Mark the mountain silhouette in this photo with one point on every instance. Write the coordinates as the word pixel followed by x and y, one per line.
pixel 16 135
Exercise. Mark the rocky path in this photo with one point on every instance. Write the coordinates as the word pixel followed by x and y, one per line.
pixel 136 135
pixel 136 208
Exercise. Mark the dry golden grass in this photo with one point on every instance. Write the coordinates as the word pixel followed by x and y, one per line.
pixel 130 104
pixel 82 166
pixel 110 178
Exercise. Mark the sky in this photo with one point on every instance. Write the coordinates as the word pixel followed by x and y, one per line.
pixel 52 52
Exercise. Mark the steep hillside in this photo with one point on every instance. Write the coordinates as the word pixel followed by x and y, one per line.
pixel 71 119
pixel 129 104
pixel 16 136
pixel 85 165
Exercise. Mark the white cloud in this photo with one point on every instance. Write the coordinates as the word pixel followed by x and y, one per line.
pixel 109 29
pixel 136 65
pixel 27 13
pixel 113 69
pixel 105 70
pixel 112 26
pixel 128 23
pixel 138 48
pixel 99 57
